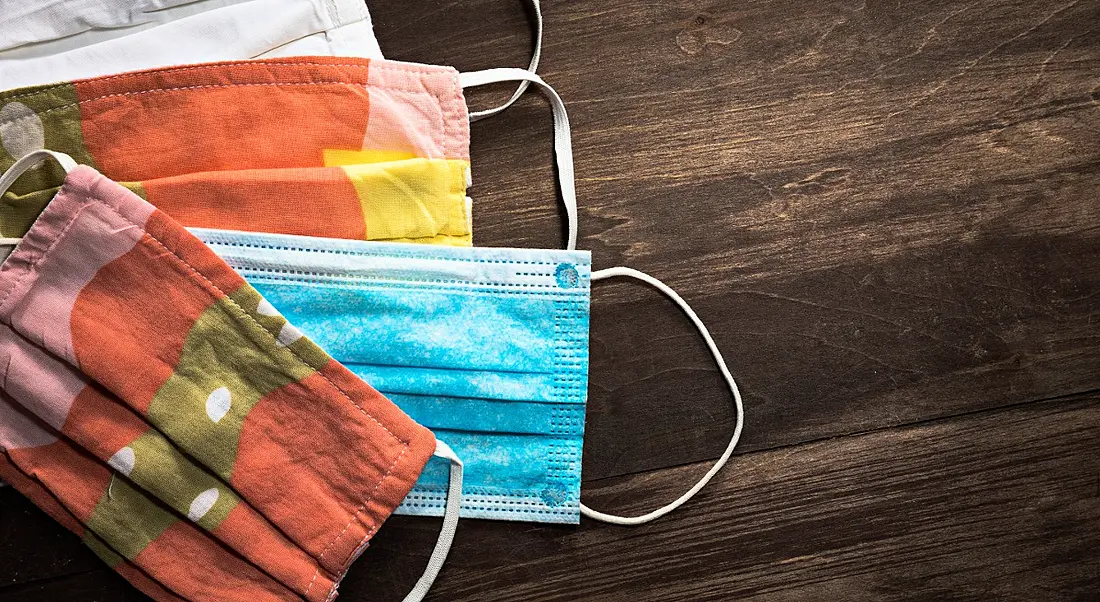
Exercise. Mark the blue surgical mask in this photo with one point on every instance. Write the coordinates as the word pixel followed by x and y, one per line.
pixel 487 347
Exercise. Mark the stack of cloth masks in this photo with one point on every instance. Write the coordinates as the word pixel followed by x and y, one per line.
pixel 242 319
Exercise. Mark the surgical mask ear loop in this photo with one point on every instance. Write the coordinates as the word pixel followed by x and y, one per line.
pixel 450 524
pixel 563 139
pixel 645 518
pixel 20 167
pixel 533 67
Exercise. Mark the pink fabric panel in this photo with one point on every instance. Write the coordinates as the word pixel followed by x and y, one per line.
pixel 45 308
pixel 405 96
pixel 18 429
pixel 45 384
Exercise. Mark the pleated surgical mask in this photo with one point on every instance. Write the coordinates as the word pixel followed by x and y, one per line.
pixel 487 347
pixel 47 42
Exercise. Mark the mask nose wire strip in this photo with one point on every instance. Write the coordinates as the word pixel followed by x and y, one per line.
pixel 534 66
pixel 450 524
pixel 563 142
pixel 21 166
pixel 645 518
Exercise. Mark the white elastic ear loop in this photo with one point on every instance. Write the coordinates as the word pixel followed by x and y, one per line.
pixel 450 524
pixel 533 67
pixel 21 167
pixel 563 143
pixel 645 518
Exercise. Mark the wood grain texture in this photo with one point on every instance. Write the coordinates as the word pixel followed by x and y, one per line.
pixel 887 214
pixel 999 505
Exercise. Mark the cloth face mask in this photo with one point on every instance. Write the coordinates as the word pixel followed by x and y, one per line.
pixel 487 347
pixel 156 328
pixel 165 123
pixel 142 126
pixel 45 43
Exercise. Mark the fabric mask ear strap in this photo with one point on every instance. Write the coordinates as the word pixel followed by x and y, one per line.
pixel 645 518
pixel 450 524
pixel 25 163
pixel 533 67
pixel 563 143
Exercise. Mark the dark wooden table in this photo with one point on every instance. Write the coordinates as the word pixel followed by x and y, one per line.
pixel 889 215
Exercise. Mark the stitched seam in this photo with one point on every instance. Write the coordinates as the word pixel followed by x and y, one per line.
pixel 333 13
pixel 458 101
pixel 419 255
pixel 406 67
pixel 247 85
pixel 40 256
pixel 496 289
pixel 409 280
pixel 358 511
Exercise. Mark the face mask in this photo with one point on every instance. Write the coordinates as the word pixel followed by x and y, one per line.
pixel 152 322
pixel 486 347
pixel 54 42
pixel 489 346
pixel 347 112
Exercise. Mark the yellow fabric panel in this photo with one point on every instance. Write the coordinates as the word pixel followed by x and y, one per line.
pixel 416 200
pixel 340 158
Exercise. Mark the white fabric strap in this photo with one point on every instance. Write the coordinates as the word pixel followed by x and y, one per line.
pixel 645 518
pixel 533 67
pixel 563 143
pixel 450 524
pixel 24 164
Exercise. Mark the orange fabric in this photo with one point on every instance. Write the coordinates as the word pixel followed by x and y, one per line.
pixel 243 520
pixel 127 285
pixel 60 462
pixel 280 118
pixel 306 202
pixel 280 430
pixel 107 426
pixel 144 584
pixel 200 569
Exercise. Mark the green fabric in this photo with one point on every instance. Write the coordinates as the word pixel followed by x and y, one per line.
pixel 127 519
pixel 178 481
pixel 223 371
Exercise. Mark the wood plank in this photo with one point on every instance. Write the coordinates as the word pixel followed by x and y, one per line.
pixel 34 547
pixel 95 586
pixel 1003 505
pixel 886 212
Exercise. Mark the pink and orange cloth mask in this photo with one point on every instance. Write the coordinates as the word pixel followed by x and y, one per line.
pixel 158 406
pixel 322 146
